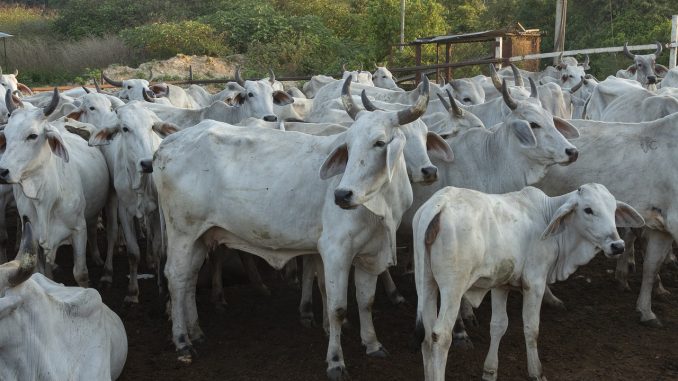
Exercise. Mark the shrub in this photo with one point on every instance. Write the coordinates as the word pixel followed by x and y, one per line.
pixel 162 40
pixel 23 21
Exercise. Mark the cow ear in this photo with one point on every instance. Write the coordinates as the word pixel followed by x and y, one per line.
pixel 281 98
pixel 438 147
pixel 8 304
pixel 521 128
pixel 103 136
pixel 566 128
pixel 661 70
pixel 165 129
pixel 83 130
pixel 239 99
pixel 632 69
pixel 335 163
pixel 556 224
pixel 3 142
pixel 394 150
pixel 56 143
pixel 627 217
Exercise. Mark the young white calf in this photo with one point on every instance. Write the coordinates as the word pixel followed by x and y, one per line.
pixel 467 243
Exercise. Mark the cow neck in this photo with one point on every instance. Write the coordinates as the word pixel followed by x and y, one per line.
pixel 571 249
pixel 44 177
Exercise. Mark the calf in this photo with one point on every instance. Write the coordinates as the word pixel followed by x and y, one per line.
pixel 467 243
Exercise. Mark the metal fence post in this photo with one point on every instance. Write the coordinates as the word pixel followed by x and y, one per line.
pixel 674 40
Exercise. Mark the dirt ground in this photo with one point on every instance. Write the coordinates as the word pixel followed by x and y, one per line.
pixel 259 337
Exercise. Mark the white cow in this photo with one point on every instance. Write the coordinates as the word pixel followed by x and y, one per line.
pixel 203 98
pixel 670 79
pixel 467 243
pixel 277 209
pixel 645 70
pixel 312 87
pixel 52 332
pixel 141 90
pixel 59 183
pixel 9 81
pixel 382 77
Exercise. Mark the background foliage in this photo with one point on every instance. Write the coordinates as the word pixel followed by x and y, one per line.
pixel 300 37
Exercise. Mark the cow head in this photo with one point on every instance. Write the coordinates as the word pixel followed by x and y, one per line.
pixel 419 144
pixel 466 91
pixel 594 214
pixel 571 71
pixel 372 149
pixel 383 78
pixel 138 89
pixel 358 76
pixel 94 108
pixel 28 141
pixel 14 273
pixel 4 111
pixel 645 69
pixel 258 98
pixel 542 136
pixel 461 119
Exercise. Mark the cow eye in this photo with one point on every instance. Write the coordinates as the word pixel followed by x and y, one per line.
pixel 125 129
pixel 534 125
pixel 467 99
pixel 588 211
pixel 91 108
pixel 250 95
pixel 383 76
pixel 379 143
pixel 32 137
pixel 129 87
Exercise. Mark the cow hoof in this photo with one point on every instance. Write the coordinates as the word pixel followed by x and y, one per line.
pixel 131 299
pixel 652 323
pixel 464 343
pixel 537 378
pixel 338 373
pixel 471 321
pixel 489 375
pixel 186 355
pixel 307 322
pixel 380 353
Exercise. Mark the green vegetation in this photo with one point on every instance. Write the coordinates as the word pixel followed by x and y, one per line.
pixel 301 37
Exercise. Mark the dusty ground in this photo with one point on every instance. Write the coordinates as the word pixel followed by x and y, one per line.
pixel 259 337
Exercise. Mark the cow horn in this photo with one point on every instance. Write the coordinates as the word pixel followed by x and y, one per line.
pixel 587 60
pixel 16 71
pixel 534 93
pixel 96 85
pixel 0 70
pixel 367 103
pixel 343 67
pixel 28 251
pixel 413 113
pixel 455 107
pixel 659 50
pixel 47 111
pixel 148 98
pixel 238 78
pixel 517 78
pixel 627 53
pixel 271 76
pixel 507 97
pixel 351 108
pixel 86 89
pixel 445 103
pixel 576 87
pixel 495 77
pixel 376 66
pixel 110 81
pixel 150 73
pixel 9 102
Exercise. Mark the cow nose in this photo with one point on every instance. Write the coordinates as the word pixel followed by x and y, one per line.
pixel 146 165
pixel 271 118
pixel 430 173
pixel 651 79
pixel 617 248
pixel 572 153
pixel 4 174
pixel 343 197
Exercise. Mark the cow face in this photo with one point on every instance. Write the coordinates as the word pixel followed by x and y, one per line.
pixel 133 89
pixel 541 136
pixel 359 76
pixel 466 91
pixel 383 78
pixel 9 81
pixel 595 215
pixel 372 152
pixel 96 109
pixel 645 69
pixel 259 97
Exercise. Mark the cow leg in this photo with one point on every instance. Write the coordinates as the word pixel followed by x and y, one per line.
pixel 184 258
pixel 320 272
pixel 532 300
pixel 253 274
pixel 291 272
pixel 552 301
pixel 216 260
pixel 389 286
pixel 80 256
pixel 4 238
pixel 427 311
pixel 133 255
pixel 467 314
pixel 498 326
pixel 194 331
pixel 111 238
pixel 658 245
pixel 306 303
pixel 659 289
pixel 441 337
pixel 625 260
pixel 92 242
pixel 336 266
pixel 460 338
pixel 365 287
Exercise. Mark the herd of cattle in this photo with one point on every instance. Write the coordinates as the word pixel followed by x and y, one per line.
pixel 494 184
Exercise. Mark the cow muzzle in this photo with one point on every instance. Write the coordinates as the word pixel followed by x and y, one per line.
pixel 430 174
pixel 271 118
pixel 4 176
pixel 344 198
pixel 146 165
pixel 572 155
pixel 616 248
pixel 651 79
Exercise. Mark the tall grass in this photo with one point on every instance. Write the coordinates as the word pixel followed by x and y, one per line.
pixel 43 60
pixel 21 21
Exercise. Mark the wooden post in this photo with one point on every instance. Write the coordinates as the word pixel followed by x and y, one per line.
pixel 559 32
pixel 190 73
pixel 402 24
pixel 498 49
pixel 417 62
pixel 674 40
pixel 437 62
pixel 448 55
